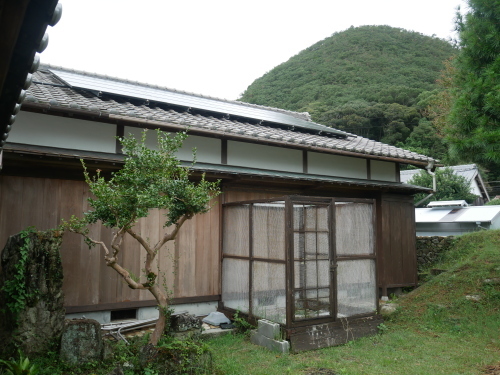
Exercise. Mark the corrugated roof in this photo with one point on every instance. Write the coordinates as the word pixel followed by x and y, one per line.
pixel 50 90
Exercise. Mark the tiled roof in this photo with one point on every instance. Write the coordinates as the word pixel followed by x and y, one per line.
pixel 49 90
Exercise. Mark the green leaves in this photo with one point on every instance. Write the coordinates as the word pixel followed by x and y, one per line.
pixel 150 179
pixel 474 132
pixel 15 290
pixel 365 80
pixel 449 186
pixel 21 367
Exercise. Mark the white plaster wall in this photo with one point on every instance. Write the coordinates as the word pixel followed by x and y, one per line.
pixel 54 131
pixel 264 157
pixel 474 188
pixel 202 308
pixel 383 170
pixel 208 150
pixel 336 165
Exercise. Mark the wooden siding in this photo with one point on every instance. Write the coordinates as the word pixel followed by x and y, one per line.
pixel 397 262
pixel 42 202
pixel 332 334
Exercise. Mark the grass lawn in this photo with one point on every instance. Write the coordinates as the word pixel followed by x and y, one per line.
pixel 436 330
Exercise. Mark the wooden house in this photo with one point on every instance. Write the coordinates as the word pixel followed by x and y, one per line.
pixel 312 227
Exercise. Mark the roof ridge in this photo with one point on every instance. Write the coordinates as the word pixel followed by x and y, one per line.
pixel 302 115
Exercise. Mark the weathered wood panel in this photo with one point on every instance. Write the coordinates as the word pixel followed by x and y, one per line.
pixel 26 201
pixel 398 250
pixel 333 334
pixel 74 250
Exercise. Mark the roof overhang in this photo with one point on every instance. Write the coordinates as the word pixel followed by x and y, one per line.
pixel 58 157
pixel 22 27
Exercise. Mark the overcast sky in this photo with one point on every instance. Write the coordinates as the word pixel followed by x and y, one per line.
pixel 218 47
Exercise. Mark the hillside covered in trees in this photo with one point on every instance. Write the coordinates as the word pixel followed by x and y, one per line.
pixel 375 81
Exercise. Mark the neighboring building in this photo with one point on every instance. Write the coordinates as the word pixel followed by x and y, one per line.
pixel 452 218
pixel 312 227
pixel 469 171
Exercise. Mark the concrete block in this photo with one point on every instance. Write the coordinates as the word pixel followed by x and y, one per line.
pixel 269 329
pixel 144 313
pixel 281 346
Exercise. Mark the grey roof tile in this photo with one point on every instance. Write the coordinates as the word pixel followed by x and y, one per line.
pixel 47 89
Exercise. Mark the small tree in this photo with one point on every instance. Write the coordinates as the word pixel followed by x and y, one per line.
pixel 449 186
pixel 150 179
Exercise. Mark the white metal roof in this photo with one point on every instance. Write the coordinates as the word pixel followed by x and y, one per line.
pixel 471 214
pixel 450 204
pixel 428 215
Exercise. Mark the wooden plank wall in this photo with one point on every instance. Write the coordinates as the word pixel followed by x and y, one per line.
pixel 41 202
pixel 397 255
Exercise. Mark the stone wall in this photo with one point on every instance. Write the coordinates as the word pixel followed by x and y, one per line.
pixel 31 297
pixel 429 249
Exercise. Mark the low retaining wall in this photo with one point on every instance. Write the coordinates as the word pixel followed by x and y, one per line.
pixel 429 249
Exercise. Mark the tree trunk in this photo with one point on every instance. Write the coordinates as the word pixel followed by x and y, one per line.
pixel 159 329
pixel 162 306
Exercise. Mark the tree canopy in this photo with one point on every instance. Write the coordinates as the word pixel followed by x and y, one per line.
pixel 474 122
pixel 149 179
pixel 369 80
pixel 449 186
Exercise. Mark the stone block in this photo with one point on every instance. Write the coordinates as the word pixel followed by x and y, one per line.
pixel 184 322
pixel 81 341
pixel 281 346
pixel 269 329
pixel 388 308
pixel 102 317
pixel 216 332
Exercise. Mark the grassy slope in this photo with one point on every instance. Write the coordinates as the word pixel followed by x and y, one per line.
pixel 436 331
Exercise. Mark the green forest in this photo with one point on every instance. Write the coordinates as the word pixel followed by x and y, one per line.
pixel 375 81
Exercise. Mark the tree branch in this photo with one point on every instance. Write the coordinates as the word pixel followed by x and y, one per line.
pixel 142 241
pixel 170 236
pixel 118 236
pixel 126 276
